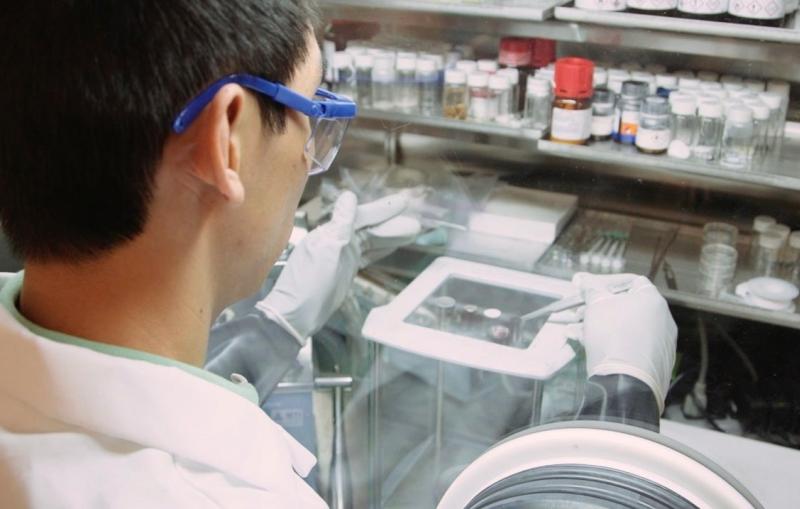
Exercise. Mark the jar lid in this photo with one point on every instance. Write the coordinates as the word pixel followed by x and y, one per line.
pixel 688 83
pixel 656 106
pixel 637 89
pixel 771 99
pixel 643 76
pixel 478 79
pixel 511 73
pixel 730 87
pixel 498 82
pixel 365 60
pixel 756 86
pixel 455 77
pixel 740 114
pixel 780 229
pixel 406 63
pixel 539 86
pixel 515 51
pixel 342 59
pixel 759 109
pixel 575 78
pixel 742 93
pixel 762 223
pixel 770 240
pixel 543 52
pixel 708 76
pixel 794 240
pixel 467 65
pixel 667 81
pixel 710 109
pixel 426 65
pixel 684 106
pixel 705 86
pixel 779 87
pixel 487 65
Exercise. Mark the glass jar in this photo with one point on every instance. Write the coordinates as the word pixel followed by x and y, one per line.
pixel 344 74
pixel 406 89
pixel 572 104
pixel 364 64
pixel 603 104
pixel 512 75
pixel 708 136
pixel 455 94
pixel 768 256
pixel 627 111
pixel 761 123
pixel 774 102
pixel 383 78
pixel 737 138
pixel 793 259
pixel 538 104
pixel 479 104
pixel 499 99
pixel 768 13
pixel 653 135
pixel 684 121
pixel 428 86
pixel 761 224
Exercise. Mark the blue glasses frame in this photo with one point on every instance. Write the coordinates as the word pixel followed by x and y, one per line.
pixel 333 107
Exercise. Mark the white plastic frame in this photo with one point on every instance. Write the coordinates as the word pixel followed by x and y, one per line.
pixel 546 354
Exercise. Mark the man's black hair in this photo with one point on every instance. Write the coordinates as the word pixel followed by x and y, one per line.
pixel 88 92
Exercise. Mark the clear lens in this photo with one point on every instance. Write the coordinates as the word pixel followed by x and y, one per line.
pixel 326 138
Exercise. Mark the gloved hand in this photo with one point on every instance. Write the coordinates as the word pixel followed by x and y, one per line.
pixel 630 333
pixel 318 273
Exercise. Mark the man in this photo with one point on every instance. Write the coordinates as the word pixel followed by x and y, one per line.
pixel 152 155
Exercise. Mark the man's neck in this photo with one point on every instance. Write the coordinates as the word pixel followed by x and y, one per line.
pixel 124 300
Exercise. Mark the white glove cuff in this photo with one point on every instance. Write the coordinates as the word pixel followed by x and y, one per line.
pixel 612 368
pixel 278 318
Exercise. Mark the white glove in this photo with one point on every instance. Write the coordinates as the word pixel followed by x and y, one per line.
pixel 629 333
pixel 318 273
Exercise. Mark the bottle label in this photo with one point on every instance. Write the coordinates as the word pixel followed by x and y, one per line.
pixel 703 7
pixel 628 126
pixel 653 139
pixel 571 125
pixel 602 125
pixel 758 9
pixel 600 5
pixel 653 5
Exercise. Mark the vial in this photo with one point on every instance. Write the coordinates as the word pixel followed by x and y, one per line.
pixel 648 78
pixel 429 91
pixel 684 121
pixel 383 78
pixel 364 64
pixel 761 123
pixel 626 114
pixel 572 107
pixel 406 90
pixel 499 99
pixel 479 104
pixel 653 135
pixel 455 94
pixel 708 136
pixel 344 74
pixel 516 54
pixel 761 224
pixel 770 244
pixel 512 75
pixel 603 104
pixel 538 104
pixel 774 102
pixel 756 86
pixel 737 138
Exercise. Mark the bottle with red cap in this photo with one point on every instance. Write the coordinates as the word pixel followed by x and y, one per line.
pixel 515 55
pixel 572 106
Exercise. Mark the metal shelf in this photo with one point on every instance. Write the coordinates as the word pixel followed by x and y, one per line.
pixel 781 174
pixel 474 132
pixel 691 37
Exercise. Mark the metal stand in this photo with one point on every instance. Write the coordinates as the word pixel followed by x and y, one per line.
pixel 373 434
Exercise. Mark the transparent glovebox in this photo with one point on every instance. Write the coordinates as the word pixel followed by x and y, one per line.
pixel 454 371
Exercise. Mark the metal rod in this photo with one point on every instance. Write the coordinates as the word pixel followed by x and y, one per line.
pixel 339 495
pixel 536 405
pixel 373 433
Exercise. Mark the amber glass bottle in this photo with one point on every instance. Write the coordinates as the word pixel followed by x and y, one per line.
pixel 572 106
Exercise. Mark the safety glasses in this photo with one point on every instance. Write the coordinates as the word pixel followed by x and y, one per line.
pixel 329 114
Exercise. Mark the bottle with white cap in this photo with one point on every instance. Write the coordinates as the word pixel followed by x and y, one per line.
pixel 783 88
pixel 761 123
pixel 774 102
pixel 646 77
pixel 765 13
pixel 344 74
pixel 499 98
pixel 705 10
pixel 512 75
pixel 705 146
pixel 383 79
pixel 406 90
pixel 538 104
pixel 428 84
pixel 737 138
pixel 760 225
pixel 666 84
pixel 456 97
pixel 709 76
pixel 684 123
pixel 488 66
pixel 756 86
pixel 600 5
pixel 364 65
pixel 653 135
pixel 688 84
pixel 467 66
pixel 479 105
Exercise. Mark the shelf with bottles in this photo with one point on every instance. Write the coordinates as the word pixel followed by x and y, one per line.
pixel 682 25
pixel 669 254
pixel 516 10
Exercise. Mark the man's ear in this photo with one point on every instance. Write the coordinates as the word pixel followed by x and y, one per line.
pixel 217 145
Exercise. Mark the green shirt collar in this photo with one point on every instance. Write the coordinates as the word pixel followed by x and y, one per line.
pixel 9 296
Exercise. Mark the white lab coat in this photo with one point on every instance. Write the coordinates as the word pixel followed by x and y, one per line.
pixel 81 429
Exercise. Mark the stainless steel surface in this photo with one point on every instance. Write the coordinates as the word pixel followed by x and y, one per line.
pixel 536 405
pixel 338 494
pixel 439 19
